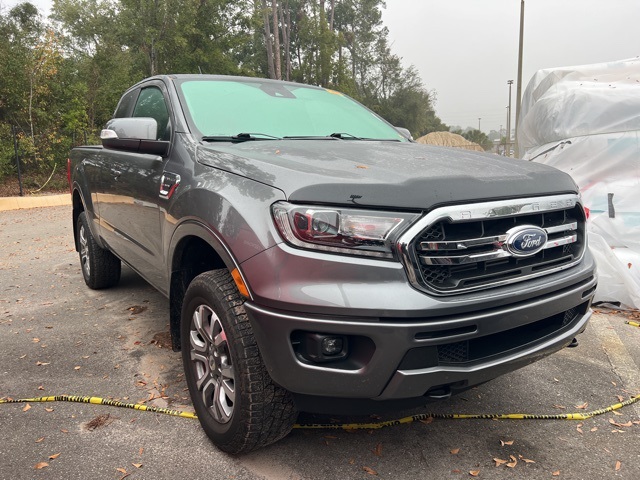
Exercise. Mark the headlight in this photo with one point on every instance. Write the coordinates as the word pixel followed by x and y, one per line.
pixel 340 230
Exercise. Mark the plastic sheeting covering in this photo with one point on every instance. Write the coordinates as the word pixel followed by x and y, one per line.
pixel 586 121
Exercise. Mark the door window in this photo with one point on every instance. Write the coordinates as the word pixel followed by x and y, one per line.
pixel 151 103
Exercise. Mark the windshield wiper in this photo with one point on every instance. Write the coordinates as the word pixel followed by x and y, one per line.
pixel 345 136
pixel 348 136
pixel 333 136
pixel 240 137
pixel 309 137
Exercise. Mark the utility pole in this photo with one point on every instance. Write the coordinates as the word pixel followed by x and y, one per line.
pixel 479 124
pixel 519 89
pixel 509 82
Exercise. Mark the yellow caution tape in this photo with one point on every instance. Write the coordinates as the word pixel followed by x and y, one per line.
pixel 457 416
pixel 101 401
pixel 339 426
pixel 633 324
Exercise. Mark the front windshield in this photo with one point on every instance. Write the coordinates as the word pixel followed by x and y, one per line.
pixel 228 107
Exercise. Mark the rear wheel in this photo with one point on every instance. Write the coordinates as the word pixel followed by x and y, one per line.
pixel 237 403
pixel 100 267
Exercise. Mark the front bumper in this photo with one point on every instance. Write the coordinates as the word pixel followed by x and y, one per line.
pixel 397 357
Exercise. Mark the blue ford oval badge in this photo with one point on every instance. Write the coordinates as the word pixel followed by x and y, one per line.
pixel 525 240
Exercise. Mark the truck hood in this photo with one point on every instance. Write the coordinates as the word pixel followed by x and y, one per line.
pixel 383 174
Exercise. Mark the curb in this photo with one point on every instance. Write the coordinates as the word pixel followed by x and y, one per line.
pixel 18 203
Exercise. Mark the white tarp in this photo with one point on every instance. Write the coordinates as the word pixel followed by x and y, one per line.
pixel 585 120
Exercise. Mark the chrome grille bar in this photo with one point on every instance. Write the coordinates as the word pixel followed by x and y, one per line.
pixel 447 251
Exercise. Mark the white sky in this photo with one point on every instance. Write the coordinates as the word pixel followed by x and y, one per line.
pixel 466 50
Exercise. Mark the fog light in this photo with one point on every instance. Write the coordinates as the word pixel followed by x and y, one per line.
pixel 321 347
pixel 332 345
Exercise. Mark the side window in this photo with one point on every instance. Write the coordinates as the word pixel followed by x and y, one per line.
pixel 126 104
pixel 151 103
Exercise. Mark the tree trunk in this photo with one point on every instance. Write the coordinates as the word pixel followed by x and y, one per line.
pixel 267 40
pixel 285 38
pixel 333 8
pixel 276 40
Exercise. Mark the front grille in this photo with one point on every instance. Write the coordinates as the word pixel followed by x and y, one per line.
pixel 466 248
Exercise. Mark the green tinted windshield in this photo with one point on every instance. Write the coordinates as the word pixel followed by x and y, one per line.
pixel 229 107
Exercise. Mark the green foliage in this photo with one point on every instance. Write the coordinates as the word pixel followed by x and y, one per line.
pixel 476 136
pixel 61 79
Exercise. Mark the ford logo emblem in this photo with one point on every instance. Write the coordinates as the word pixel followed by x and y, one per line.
pixel 525 240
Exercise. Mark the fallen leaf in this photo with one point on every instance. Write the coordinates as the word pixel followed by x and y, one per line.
pixel 526 460
pixel 508 442
pixel 48 409
pixel 99 421
pixel 620 398
pixel 40 387
pixel 593 429
pixel 39 363
pixel 40 440
pixel 121 470
pixel 54 456
pixel 561 407
pixel 140 451
pixel 330 437
pixel 556 473
pixel 26 408
pixel 23 356
pixel 352 461
pixel 513 462
pixel 474 473
pixel 618 465
pixel 617 413
pixel 64 430
pixel 136 309
pixel 427 420
pixel 378 450
pixel 455 451
pixel 35 340
pixel 137 465
pixel 77 367
pixel 613 422
pixel 41 465
pixel 456 471
pixel 370 471
pixel 579 428
pixel 499 461
pixel 583 406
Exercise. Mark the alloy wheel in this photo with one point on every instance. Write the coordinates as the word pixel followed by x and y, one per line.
pixel 211 363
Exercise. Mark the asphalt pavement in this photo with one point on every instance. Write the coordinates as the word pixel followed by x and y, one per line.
pixel 58 337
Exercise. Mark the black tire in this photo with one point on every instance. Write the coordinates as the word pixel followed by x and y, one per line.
pixel 237 403
pixel 100 267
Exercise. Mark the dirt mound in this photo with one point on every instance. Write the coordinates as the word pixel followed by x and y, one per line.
pixel 448 139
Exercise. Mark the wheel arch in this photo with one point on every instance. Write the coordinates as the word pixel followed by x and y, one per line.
pixel 194 249
pixel 78 206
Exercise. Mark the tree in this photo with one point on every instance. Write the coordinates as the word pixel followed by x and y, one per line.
pixel 476 136
pixel 60 83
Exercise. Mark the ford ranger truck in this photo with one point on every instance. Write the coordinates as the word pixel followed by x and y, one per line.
pixel 316 259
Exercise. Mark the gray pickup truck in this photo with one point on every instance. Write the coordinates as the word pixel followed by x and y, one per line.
pixel 316 259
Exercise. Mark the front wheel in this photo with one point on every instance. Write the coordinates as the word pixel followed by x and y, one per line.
pixel 237 403
pixel 100 267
